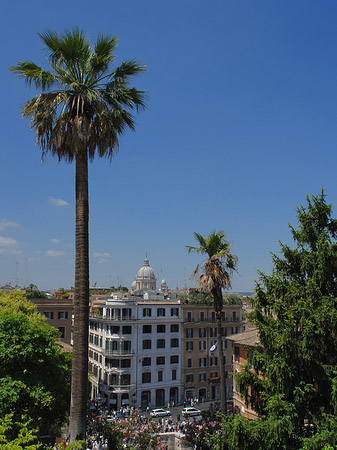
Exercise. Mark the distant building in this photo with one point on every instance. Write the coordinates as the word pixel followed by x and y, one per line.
pixel 135 346
pixel 200 371
pixel 58 313
pixel 241 343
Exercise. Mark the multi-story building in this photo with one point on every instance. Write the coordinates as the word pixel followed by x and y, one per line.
pixel 200 370
pixel 241 344
pixel 58 313
pixel 135 346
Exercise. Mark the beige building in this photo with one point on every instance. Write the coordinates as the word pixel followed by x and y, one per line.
pixel 241 344
pixel 200 371
pixel 58 313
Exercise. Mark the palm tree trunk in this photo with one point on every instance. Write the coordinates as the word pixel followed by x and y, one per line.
pixel 223 393
pixel 218 305
pixel 79 380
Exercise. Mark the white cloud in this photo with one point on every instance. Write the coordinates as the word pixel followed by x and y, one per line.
pixel 54 241
pixel 102 255
pixel 54 252
pixel 17 252
pixel 102 261
pixel 58 202
pixel 4 223
pixel 7 241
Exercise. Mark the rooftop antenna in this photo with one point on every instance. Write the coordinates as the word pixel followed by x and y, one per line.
pixel 16 273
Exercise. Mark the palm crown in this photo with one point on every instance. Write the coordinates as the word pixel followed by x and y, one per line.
pixel 84 104
pixel 220 264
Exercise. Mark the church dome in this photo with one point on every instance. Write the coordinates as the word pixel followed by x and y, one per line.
pixel 146 278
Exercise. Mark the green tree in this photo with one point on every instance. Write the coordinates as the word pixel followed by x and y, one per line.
pixel 17 435
pixel 84 107
pixel 217 271
pixel 34 372
pixel 295 310
pixel 32 291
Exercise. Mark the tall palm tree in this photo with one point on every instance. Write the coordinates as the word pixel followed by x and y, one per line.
pixel 83 108
pixel 217 271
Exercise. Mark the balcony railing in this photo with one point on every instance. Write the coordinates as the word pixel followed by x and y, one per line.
pixel 118 352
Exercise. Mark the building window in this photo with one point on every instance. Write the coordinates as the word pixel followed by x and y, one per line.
pixel 147 329
pixel 174 342
pixel 49 314
pixel 175 328
pixel 62 315
pixel 126 313
pixel 126 346
pixel 62 330
pixel 202 316
pixel 202 345
pixel 174 312
pixel 127 329
pixel 147 344
pixel 161 328
pixel 213 361
pixel 189 333
pixel 213 317
pixel 160 375
pixel 189 378
pixel 202 377
pixel 236 354
pixel 202 362
pixel 189 346
pixel 126 379
pixel 160 360
pixel 146 362
pixel 174 374
pixel 160 343
pixel 224 331
pixel 213 332
pixel 202 332
pixel 126 363
pixel 189 362
pixel 147 312
pixel 161 312
pixel 174 359
pixel 115 329
pixel 189 316
pixel 225 343
pixel 146 377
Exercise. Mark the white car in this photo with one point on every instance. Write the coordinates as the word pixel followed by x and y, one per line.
pixel 190 411
pixel 159 412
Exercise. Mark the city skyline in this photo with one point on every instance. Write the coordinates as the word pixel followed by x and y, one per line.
pixel 240 126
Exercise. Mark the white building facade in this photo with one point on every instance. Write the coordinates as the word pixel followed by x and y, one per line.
pixel 135 346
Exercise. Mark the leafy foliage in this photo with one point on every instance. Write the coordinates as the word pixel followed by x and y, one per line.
pixel 34 373
pixel 17 435
pixel 295 311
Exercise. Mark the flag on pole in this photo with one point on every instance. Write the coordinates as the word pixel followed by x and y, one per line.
pixel 213 348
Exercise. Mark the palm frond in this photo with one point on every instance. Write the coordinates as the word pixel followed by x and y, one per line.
pixel 34 75
pixel 93 104
pixel 128 68
pixel 103 54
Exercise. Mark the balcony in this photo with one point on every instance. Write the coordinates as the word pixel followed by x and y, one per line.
pixel 118 352
pixel 117 388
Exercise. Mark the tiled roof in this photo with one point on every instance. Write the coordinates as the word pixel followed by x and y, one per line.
pixel 250 337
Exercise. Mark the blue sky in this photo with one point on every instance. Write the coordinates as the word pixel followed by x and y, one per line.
pixel 241 124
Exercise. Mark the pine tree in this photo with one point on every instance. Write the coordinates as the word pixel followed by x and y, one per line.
pixel 295 310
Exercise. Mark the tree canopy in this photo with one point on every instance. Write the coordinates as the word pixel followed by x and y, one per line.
pixel 34 373
pixel 295 310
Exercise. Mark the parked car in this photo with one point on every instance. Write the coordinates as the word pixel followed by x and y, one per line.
pixel 160 412
pixel 190 411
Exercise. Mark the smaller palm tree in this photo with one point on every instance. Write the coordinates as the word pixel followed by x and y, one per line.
pixel 216 276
